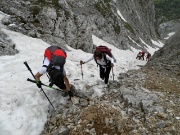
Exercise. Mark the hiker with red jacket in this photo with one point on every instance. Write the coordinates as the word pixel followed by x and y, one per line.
pixel 105 63
pixel 142 54
pixel 53 64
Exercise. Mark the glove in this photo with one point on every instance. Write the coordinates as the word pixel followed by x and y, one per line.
pixel 39 84
pixel 70 94
pixel 81 62
pixel 112 65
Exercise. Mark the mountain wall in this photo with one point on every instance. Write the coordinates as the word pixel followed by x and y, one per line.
pixel 167 16
pixel 168 57
pixel 7 47
pixel 73 22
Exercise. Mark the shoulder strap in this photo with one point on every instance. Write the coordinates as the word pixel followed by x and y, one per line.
pixel 107 61
pixel 105 58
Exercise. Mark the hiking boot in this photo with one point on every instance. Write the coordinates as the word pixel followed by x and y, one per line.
pixel 64 94
pixel 73 89
pixel 102 78
pixel 106 86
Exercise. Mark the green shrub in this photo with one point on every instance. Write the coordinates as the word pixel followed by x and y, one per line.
pixel 128 26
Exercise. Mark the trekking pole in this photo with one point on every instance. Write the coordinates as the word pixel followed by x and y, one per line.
pixel 113 74
pixel 33 81
pixel 81 71
pixel 26 64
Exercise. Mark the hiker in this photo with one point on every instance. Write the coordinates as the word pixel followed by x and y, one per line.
pixel 139 56
pixel 142 54
pixel 105 63
pixel 53 64
pixel 148 56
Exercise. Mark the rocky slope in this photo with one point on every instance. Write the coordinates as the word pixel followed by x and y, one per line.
pixel 73 22
pixel 144 101
pixel 7 47
pixel 130 106
pixel 167 59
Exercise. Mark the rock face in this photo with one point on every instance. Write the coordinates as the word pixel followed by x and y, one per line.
pixel 167 17
pixel 73 22
pixel 7 47
pixel 168 57
pixel 168 27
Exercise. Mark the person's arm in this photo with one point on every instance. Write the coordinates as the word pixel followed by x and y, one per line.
pixel 38 81
pixel 66 81
pixel 43 69
pixel 68 89
pixel 83 62
pixel 110 59
pixel 37 76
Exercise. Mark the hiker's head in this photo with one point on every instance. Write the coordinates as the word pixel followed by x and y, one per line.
pixel 97 55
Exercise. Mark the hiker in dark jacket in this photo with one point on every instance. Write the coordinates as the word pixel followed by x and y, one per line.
pixel 105 63
pixel 148 56
pixel 139 56
pixel 58 78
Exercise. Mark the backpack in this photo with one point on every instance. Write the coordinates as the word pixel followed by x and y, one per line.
pixel 104 50
pixel 57 57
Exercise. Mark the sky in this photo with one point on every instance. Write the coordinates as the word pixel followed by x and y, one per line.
pixel 23 107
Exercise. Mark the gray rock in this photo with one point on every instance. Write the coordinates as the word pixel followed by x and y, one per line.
pixel 7 47
pixel 64 131
pixel 161 124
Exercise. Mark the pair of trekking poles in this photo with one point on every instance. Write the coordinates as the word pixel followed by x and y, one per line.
pixel 35 81
pixel 82 72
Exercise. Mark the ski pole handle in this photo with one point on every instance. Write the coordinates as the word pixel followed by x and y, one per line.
pixel 27 66
pixel 31 80
pixel 29 69
pixel 34 81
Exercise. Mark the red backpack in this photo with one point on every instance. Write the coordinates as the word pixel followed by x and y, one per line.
pixel 57 57
pixel 104 49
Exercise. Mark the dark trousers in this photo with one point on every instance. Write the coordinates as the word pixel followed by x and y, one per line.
pixel 104 73
pixel 61 85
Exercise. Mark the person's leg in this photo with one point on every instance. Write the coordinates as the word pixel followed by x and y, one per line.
pixel 61 85
pixel 101 72
pixel 107 72
pixel 143 56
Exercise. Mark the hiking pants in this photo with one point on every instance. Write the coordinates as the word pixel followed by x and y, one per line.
pixel 104 73
pixel 61 85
